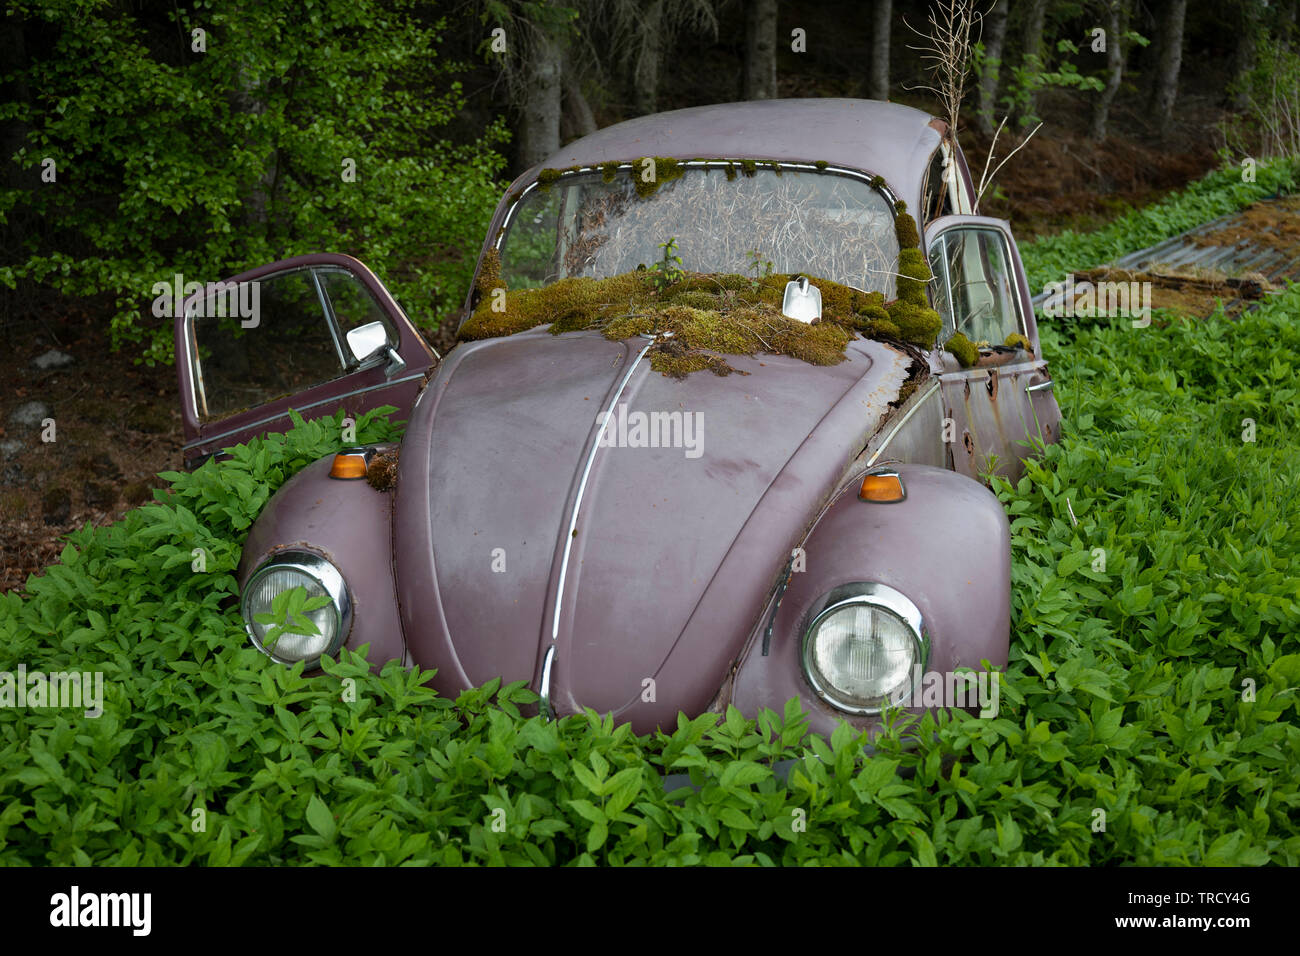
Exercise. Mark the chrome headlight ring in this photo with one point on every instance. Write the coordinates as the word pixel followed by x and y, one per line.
pixel 889 659
pixel 282 571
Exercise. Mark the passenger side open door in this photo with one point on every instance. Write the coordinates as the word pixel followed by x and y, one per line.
pixel 979 288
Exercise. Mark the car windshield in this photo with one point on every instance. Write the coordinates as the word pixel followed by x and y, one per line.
pixel 722 220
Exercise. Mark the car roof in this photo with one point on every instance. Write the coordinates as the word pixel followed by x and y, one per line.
pixel 885 139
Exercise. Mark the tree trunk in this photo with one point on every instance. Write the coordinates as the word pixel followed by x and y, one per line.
pixel 645 77
pixel 1116 24
pixel 539 127
pixel 1171 61
pixel 882 12
pixel 577 119
pixel 996 24
pixel 1243 58
pixel 1032 60
pixel 249 98
pixel 760 50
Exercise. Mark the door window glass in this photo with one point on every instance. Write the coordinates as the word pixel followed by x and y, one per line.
pixel 974 286
pixel 353 306
pixel 289 347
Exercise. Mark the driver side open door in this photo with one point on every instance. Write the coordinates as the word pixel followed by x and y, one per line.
pixel 311 333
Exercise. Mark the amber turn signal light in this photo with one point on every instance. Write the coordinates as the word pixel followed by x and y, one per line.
pixel 882 486
pixel 349 464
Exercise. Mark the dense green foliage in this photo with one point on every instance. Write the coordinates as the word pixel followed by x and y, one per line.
pixel 278 130
pixel 1157 688
pixel 1221 192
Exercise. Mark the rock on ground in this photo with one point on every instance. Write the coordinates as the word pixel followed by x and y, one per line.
pixel 30 414
pixel 52 359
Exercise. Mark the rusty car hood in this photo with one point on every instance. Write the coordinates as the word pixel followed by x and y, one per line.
pixel 667 554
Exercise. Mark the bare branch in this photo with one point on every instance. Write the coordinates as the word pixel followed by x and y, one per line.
pixel 986 180
pixel 988 159
pixel 947 48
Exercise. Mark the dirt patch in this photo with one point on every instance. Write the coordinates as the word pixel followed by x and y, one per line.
pixel 1275 225
pixel 1190 292
pixel 1063 180
pixel 114 425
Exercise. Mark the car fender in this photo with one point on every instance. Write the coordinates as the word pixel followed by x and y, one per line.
pixel 946 546
pixel 350 524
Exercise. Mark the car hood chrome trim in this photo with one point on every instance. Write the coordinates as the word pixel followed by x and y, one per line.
pixel 582 487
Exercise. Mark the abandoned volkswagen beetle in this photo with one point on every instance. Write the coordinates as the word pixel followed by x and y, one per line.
pixel 728 382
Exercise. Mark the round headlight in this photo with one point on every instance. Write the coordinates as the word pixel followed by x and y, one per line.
pixel 285 571
pixel 865 648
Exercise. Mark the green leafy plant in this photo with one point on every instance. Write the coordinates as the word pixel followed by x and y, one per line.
pixel 316 128
pixel 288 615
pixel 1025 80
pixel 668 270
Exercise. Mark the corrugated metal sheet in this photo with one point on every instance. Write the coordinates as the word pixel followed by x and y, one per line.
pixel 1216 247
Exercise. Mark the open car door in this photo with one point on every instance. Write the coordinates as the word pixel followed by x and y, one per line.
pixel 311 333
pixel 979 289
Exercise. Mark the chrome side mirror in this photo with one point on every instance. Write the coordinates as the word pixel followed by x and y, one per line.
pixel 802 301
pixel 365 340
pixel 369 340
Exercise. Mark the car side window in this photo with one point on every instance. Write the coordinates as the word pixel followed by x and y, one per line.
pixel 974 286
pixel 352 305
pixel 286 346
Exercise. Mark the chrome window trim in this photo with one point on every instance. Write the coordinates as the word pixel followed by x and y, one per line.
pixel 197 392
pixel 941 244
pixel 324 401
pixel 327 309
pixel 878 595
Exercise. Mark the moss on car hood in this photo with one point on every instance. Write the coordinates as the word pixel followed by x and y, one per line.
pixel 700 317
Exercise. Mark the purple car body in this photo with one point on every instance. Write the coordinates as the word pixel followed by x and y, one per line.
pixel 522 542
